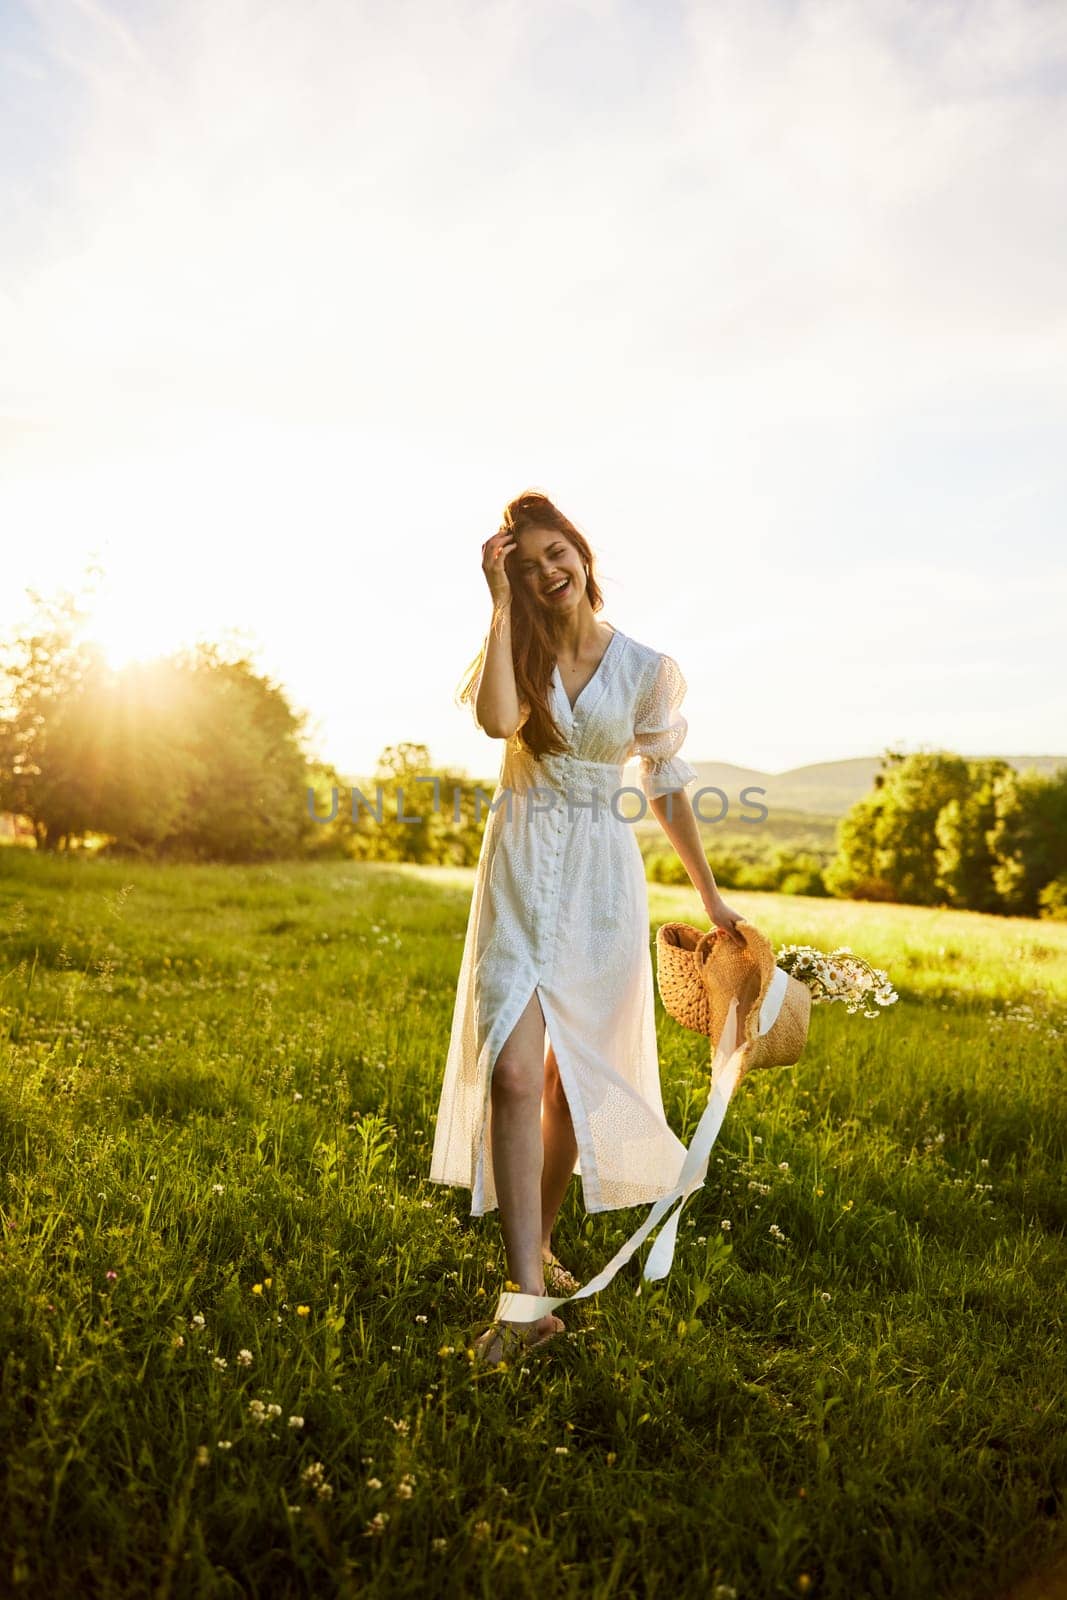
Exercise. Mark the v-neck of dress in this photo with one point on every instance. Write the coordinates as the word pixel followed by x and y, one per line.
pixel 572 708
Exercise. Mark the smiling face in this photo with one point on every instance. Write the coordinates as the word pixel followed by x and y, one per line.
pixel 551 568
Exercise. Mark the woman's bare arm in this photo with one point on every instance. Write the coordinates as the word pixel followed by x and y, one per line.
pixel 497 703
pixel 674 812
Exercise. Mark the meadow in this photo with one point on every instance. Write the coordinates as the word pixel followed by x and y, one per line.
pixel 235 1315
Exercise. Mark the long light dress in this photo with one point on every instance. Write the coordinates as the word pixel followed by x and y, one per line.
pixel 560 905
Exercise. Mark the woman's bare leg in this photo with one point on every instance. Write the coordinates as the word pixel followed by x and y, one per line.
pixel 518 1158
pixel 560 1147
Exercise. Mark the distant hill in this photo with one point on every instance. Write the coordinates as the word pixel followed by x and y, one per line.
pixel 826 788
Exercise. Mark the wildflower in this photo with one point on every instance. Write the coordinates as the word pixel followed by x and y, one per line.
pixel 757 1138
pixel 257 1288
pixel 203 1455
pixel 481 1530
pixel 267 1282
pixel 216 1188
pixel 395 1347
pixel 225 1444
pixel 374 1483
pixel 447 1350
pixel 258 1412
pixel 420 1319
pixel 296 1422
pixel 244 1358
pixel 112 1277
pixel 702 1238
pixel 297 1097
pixel 439 1544
pixel 825 1296
pixel 404 1490
pixel 314 1472
pixel 303 1311
pixel 219 1363
pixel 783 1166
pixel 820 1191
pixel 725 1225
pixel 400 1427
pixel 376 1525
pixel 178 1342
pixel 562 1450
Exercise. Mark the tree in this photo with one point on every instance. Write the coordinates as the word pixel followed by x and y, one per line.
pixel 887 843
pixel 1029 837
pixel 964 858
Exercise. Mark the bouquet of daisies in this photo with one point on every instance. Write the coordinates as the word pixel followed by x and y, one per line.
pixel 839 975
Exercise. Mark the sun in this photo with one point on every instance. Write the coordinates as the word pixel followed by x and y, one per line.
pixel 127 634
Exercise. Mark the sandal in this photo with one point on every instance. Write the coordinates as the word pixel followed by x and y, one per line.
pixel 558 1280
pixel 512 1342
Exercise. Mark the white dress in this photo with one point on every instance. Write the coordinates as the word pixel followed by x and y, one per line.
pixel 560 904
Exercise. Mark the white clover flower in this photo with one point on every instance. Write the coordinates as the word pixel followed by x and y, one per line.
pixel 420 1318
pixel 217 1188
pixel 725 1224
pixel 224 1444
pixel 197 1321
pixel 825 1296
pixel 274 1410
pixel 244 1358
pixel 783 1166
pixel 178 1341
pixel 374 1483
pixel 219 1363
pixel 296 1422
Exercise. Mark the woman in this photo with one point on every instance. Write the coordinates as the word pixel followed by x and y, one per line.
pixel 557 936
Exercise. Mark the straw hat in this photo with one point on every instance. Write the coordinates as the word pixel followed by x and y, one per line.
pixel 700 973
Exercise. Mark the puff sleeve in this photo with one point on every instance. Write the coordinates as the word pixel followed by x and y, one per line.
pixel 660 730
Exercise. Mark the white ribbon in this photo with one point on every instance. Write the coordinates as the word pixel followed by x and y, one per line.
pixel 725 1069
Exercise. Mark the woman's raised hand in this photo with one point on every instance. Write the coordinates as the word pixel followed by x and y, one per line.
pixel 495 551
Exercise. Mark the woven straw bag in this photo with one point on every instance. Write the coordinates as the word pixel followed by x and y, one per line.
pixel 699 974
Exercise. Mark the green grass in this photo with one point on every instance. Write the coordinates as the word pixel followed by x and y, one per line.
pixel 211 1077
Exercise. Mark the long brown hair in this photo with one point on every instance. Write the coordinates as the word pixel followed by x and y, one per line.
pixel 534 642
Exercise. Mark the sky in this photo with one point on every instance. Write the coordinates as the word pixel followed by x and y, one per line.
pixel 770 297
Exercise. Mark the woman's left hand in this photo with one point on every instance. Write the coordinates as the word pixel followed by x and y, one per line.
pixel 725 918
